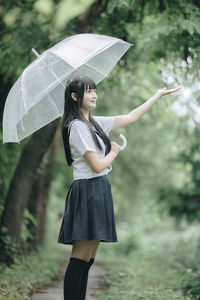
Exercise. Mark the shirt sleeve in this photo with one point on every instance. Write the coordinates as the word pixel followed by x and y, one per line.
pixel 81 138
pixel 106 123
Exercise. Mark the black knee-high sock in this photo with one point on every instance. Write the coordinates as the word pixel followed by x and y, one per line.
pixel 84 280
pixel 72 279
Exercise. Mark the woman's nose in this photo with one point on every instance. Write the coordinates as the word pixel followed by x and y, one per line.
pixel 94 95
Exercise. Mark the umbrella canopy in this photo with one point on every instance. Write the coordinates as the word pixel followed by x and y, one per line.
pixel 37 97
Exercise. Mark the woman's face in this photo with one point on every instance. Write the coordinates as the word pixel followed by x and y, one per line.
pixel 89 99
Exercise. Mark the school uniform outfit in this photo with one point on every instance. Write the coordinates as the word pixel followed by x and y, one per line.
pixel 89 209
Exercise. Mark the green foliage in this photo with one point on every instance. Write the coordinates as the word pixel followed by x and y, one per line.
pixel 119 5
pixel 24 232
pixel 164 266
pixel 140 276
pixel 184 201
pixel 8 246
pixel 30 218
pixel 186 258
pixel 181 203
pixel 73 9
pixel 29 272
pixel 158 29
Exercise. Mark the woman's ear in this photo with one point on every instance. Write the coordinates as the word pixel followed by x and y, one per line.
pixel 74 96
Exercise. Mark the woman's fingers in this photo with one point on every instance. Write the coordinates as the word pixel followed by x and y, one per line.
pixel 174 90
pixel 165 91
pixel 115 147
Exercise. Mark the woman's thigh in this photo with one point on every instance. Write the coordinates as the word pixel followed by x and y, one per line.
pixel 84 249
pixel 94 251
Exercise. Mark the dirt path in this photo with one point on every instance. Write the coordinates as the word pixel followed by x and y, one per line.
pixel 54 291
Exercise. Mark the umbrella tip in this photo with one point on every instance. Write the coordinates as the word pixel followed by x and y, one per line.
pixel 35 52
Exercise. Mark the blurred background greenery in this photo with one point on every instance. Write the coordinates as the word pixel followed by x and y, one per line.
pixel 156 180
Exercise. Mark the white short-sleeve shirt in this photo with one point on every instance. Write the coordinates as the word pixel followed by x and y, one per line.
pixel 81 140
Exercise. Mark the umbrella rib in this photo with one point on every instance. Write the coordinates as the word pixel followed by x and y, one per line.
pixel 21 119
pixel 52 72
pixel 96 70
pixel 22 91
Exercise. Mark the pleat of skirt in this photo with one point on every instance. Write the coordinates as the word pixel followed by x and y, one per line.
pixel 89 212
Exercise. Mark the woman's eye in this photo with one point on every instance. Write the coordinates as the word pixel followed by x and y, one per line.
pixel 90 91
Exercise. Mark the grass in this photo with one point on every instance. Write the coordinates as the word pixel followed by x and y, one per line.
pixel 32 271
pixel 148 272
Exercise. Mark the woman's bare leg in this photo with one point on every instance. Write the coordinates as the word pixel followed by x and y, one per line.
pixel 94 251
pixel 85 249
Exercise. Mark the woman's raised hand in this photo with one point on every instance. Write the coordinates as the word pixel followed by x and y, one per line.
pixel 115 148
pixel 165 91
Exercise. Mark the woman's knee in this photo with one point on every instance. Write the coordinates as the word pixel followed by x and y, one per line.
pixel 83 249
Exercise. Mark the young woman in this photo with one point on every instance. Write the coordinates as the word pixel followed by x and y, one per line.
pixel 89 212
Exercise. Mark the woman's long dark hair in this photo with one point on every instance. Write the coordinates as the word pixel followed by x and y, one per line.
pixel 78 84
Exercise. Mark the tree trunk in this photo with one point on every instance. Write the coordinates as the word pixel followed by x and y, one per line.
pixel 39 197
pixel 21 184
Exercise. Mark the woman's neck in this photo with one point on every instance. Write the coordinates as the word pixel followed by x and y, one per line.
pixel 85 114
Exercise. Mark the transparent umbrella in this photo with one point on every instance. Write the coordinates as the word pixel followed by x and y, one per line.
pixel 37 97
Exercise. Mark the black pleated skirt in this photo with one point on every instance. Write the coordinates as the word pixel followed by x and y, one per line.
pixel 89 212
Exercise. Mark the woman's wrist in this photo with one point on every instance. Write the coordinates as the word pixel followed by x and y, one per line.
pixel 112 154
pixel 105 162
pixel 158 94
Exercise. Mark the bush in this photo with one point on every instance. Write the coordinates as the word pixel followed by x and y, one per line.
pixel 186 258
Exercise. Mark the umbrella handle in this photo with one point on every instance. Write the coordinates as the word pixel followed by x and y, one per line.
pixel 124 142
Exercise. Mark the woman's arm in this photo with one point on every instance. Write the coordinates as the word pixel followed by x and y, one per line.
pixel 99 164
pixel 124 120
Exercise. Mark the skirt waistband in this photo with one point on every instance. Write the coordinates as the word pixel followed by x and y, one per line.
pixel 92 178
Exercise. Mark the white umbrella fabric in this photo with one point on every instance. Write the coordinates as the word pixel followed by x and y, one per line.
pixel 37 97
